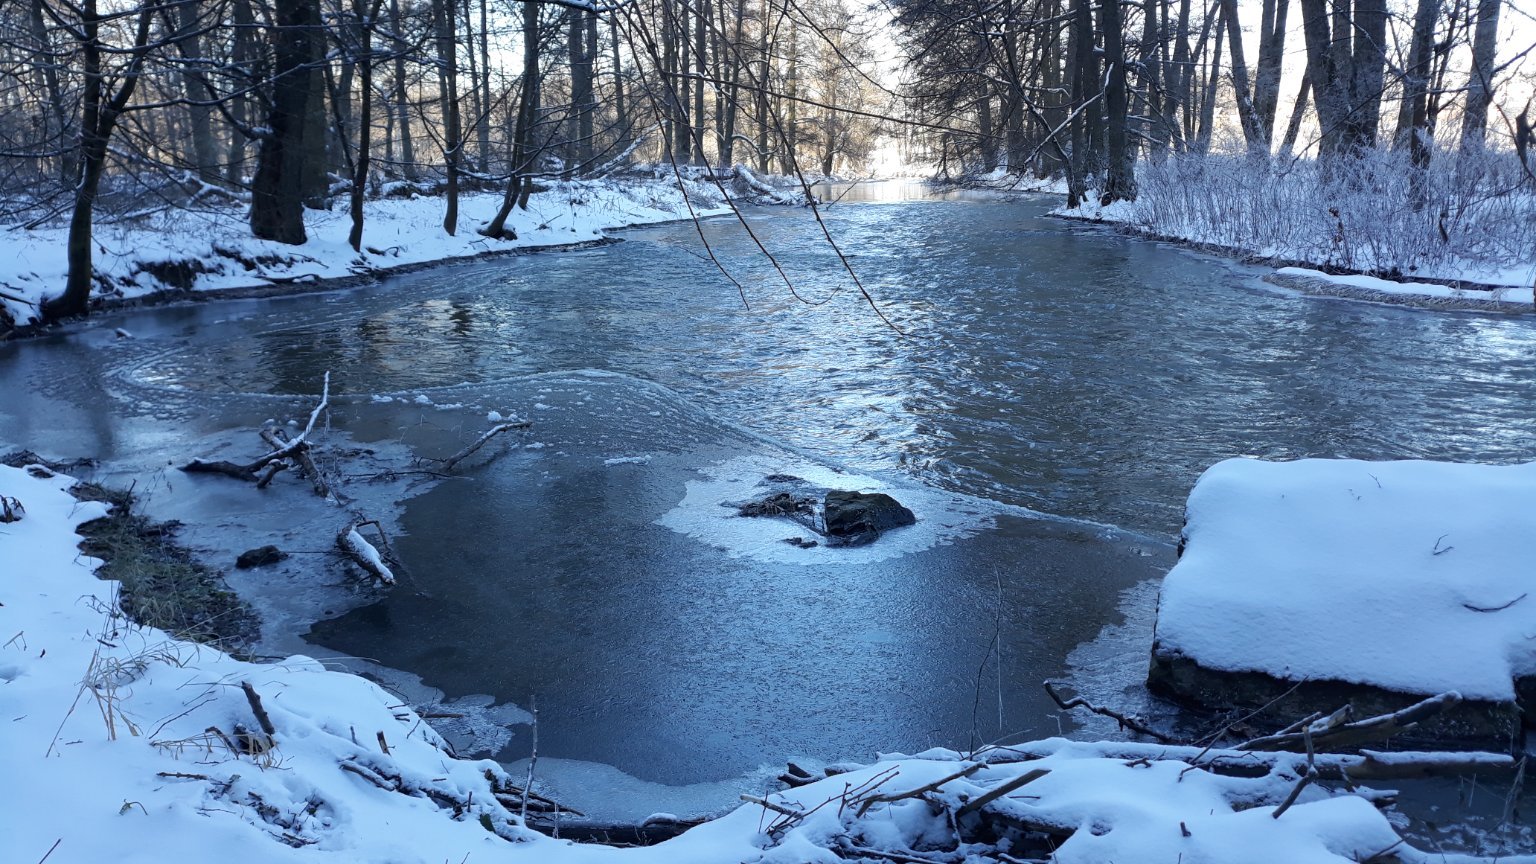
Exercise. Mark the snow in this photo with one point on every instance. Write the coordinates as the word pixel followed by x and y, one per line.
pixel 1519 295
pixel 115 750
pixel 1363 572
pixel 397 232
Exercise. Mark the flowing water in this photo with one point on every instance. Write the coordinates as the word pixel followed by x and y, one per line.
pixel 1029 367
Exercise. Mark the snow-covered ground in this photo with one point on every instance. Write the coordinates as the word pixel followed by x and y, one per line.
pixel 1412 576
pixel 122 743
pixel 213 250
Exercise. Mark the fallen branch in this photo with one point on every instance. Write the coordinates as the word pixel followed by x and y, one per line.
pixel 262 719
pixel 455 459
pixel 1366 765
pixel 1363 732
pixel 769 805
pixel 919 791
pixel 1125 721
pixel 363 553
pixel 1001 790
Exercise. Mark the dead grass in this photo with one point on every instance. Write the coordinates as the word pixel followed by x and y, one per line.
pixel 162 585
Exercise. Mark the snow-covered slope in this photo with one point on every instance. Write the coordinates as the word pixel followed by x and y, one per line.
pixel 213 250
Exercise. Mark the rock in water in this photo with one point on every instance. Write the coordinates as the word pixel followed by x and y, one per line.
pixel 260 557
pixel 850 514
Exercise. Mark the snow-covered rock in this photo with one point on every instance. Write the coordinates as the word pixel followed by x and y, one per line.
pixel 1412 576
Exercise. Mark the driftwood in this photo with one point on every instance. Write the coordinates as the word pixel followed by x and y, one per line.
pixel 455 459
pixel 284 450
pixel 363 553
pixel 1126 721
pixel 1366 765
pixel 1333 733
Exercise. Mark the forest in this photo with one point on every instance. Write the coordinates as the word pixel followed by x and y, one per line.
pixel 113 108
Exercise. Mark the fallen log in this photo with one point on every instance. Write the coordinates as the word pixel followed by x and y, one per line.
pixel 363 553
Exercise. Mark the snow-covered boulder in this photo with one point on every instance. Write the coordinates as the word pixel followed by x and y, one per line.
pixel 1374 583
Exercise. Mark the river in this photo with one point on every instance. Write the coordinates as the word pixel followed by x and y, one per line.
pixel 1030 368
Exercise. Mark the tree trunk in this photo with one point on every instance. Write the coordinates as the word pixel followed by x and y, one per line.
pixel 99 113
pixel 402 102
pixel 194 89
pixel 522 133
pixel 365 25
pixel 1266 84
pixel 1247 117
pixel 1368 75
pixel 277 191
pixel 700 69
pixel 1298 113
pixel 448 83
pixel 1474 120
pixel 1120 178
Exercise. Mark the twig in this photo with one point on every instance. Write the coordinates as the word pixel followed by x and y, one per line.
pixel 50 850
pixel 769 805
pixel 1000 791
pixel 533 757
pixel 1494 608
pixel 1362 732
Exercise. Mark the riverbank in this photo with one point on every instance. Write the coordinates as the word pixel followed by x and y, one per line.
pixel 1462 241
pixel 190 254
pixel 129 744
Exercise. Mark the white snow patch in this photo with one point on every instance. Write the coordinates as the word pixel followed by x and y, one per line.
pixel 627 460
pixel 1518 294
pixel 1380 573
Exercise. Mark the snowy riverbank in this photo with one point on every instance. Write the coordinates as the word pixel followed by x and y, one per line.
pixel 127 744
pixel 1458 237
pixel 179 253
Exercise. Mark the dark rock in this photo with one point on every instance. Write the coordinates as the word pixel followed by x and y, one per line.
pixel 777 504
pixel 853 514
pixel 782 478
pixel 1272 702
pixel 260 557
pixel 801 542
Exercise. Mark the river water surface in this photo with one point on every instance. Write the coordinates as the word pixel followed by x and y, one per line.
pixel 1030 367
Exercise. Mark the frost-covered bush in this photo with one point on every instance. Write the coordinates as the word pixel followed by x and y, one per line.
pixel 1464 215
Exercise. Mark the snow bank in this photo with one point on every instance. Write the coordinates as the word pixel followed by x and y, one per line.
pixel 125 744
pixel 1370 287
pixel 213 250
pixel 1410 576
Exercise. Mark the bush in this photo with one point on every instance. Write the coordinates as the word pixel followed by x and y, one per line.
pixel 1467 216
